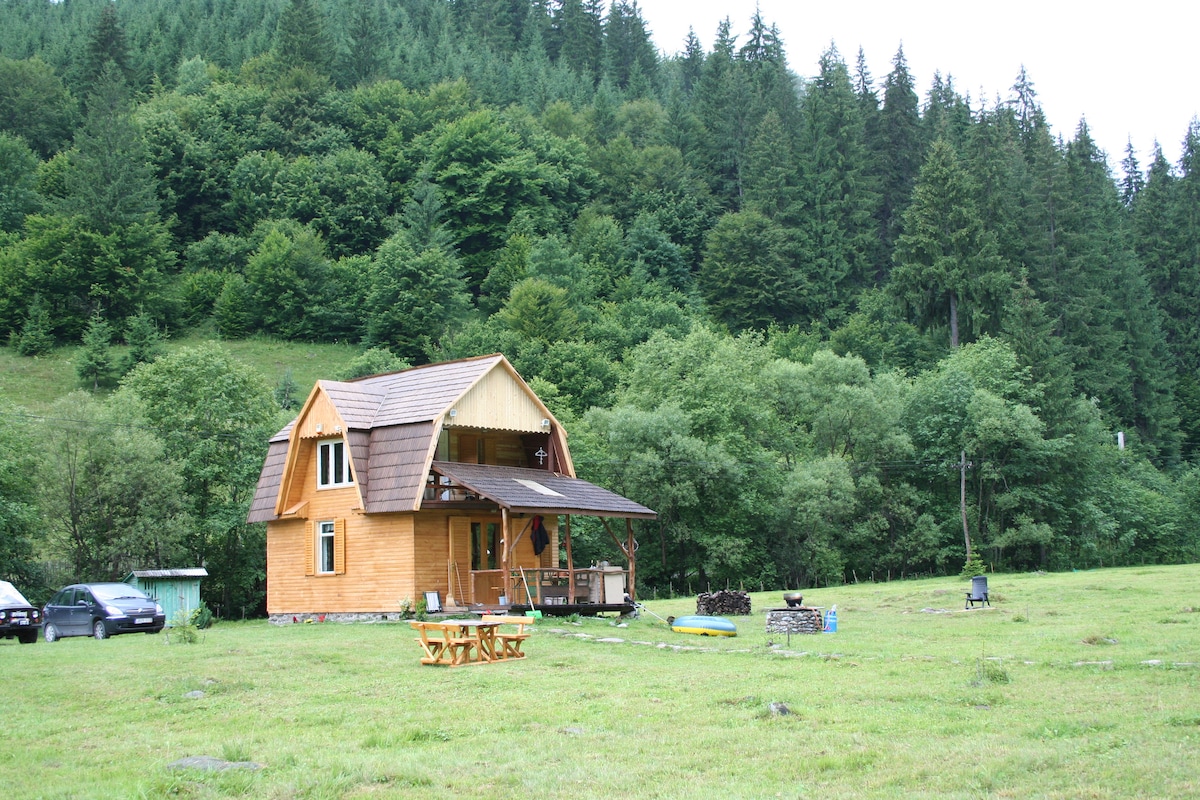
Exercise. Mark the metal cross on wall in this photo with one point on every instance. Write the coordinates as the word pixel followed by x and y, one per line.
pixel 541 456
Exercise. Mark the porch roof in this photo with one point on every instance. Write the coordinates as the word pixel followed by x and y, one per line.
pixel 535 491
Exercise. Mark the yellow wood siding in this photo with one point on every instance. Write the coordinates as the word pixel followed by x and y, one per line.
pixel 383 558
pixel 378 559
pixel 459 565
pixel 508 452
pixel 499 449
pixel 310 552
pixel 320 413
pixel 464 448
pixel 499 402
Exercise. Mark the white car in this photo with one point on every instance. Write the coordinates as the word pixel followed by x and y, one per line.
pixel 17 617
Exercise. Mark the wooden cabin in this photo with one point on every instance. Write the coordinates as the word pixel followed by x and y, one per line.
pixel 451 478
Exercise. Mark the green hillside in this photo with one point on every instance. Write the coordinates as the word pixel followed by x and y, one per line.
pixel 829 325
pixel 36 382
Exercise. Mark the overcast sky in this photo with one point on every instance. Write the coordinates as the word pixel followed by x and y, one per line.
pixel 1130 70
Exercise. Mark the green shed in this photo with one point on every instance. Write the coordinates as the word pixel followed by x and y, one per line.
pixel 175 589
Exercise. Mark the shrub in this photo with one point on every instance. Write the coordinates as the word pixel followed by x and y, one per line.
pixel 202 617
pixel 183 629
pixel 973 567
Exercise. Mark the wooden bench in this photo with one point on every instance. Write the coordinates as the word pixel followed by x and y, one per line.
pixel 455 647
pixel 510 642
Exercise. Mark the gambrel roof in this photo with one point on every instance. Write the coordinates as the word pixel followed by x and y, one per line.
pixel 391 424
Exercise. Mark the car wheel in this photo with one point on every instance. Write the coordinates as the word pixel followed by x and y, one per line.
pixel 50 632
pixel 99 631
pixel 28 637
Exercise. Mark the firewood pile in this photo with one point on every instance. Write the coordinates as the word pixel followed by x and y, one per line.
pixel 723 604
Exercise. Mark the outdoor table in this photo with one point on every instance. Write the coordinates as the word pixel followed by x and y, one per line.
pixel 457 642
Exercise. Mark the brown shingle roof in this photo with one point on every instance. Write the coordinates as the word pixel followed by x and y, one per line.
pixel 396 474
pixel 533 491
pixel 420 394
pixel 262 507
pixel 391 421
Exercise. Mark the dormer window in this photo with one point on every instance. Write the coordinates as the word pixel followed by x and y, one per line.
pixel 333 464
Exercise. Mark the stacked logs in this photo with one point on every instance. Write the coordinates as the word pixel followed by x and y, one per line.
pixel 722 604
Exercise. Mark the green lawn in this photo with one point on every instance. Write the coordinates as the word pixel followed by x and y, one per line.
pixel 1072 685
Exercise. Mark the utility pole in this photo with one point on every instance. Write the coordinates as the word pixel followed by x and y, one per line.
pixel 963 466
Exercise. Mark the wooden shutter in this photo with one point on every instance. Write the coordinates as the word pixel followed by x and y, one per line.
pixel 310 548
pixel 339 546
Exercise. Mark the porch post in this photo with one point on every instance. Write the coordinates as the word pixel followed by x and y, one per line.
pixel 632 558
pixel 570 564
pixel 451 600
pixel 506 534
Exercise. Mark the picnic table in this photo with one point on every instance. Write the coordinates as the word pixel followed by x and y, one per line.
pixel 457 642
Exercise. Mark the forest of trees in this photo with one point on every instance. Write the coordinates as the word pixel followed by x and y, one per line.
pixel 830 326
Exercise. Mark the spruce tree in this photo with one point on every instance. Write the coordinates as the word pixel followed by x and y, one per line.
pixel 94 361
pixel 1109 320
pixel 301 38
pixel 144 339
pixel 37 333
pixel 362 61
pixel 947 114
pixel 1031 332
pixel 1185 232
pixel 992 155
pixel 287 392
pixel 898 151
pixel 837 201
pixel 692 62
pixel 106 47
pixel 577 36
pixel 109 180
pixel 1132 180
pixel 725 101
pixel 1174 280
pixel 947 268
pixel 629 55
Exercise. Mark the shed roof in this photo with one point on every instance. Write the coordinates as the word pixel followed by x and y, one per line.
pixel 193 572
pixel 532 491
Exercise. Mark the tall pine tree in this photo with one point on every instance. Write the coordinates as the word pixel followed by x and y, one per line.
pixel 947 268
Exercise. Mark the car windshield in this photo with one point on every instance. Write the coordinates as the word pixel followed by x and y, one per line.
pixel 116 591
pixel 9 595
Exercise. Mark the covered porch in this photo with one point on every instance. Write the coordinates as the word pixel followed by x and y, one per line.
pixel 518 499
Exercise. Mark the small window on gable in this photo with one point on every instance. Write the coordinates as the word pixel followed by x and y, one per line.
pixel 333 464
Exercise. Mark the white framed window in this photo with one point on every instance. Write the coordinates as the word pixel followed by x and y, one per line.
pixel 333 464
pixel 326 550
pixel 326 536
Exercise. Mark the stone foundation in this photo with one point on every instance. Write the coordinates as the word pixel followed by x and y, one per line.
pixel 365 616
pixel 798 619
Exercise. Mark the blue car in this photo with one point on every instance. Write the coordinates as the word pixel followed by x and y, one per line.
pixel 101 610
pixel 17 617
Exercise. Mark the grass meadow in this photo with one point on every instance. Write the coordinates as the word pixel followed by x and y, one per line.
pixel 37 382
pixel 1076 685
